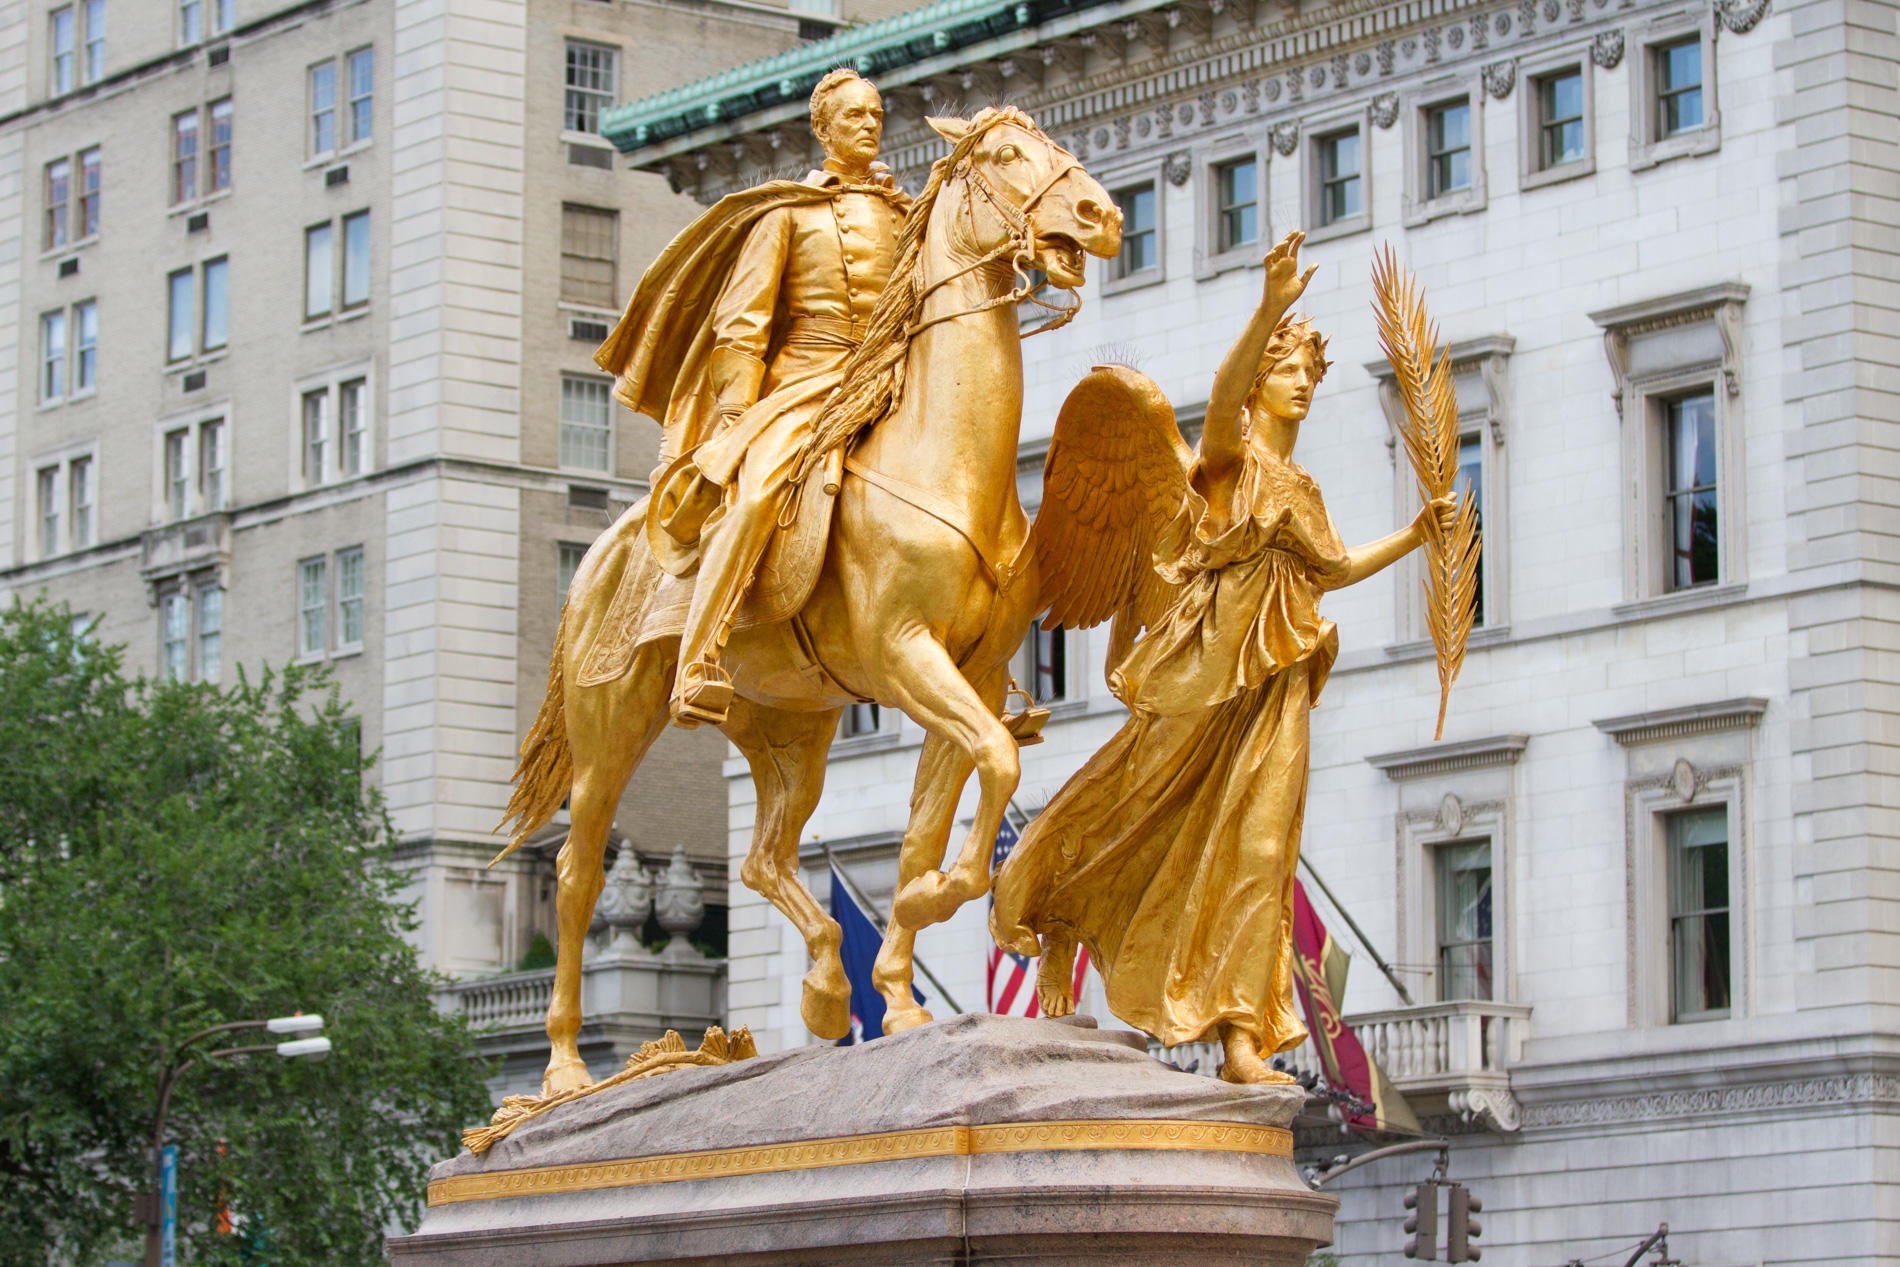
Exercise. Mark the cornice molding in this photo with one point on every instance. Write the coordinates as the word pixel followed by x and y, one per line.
pixel 1693 719
pixel 1866 1089
pixel 1466 754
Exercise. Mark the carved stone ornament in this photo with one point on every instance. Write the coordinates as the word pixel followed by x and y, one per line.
pixel 678 901
pixel 1552 10
pixel 1500 78
pixel 1164 122
pixel 1432 36
pixel 1451 814
pixel 1386 57
pixel 1502 24
pixel 1408 46
pixel 1295 85
pixel 1740 16
pixel 1286 138
pixel 1606 50
pixel 1682 780
pixel 1454 37
pixel 1340 70
pixel 1385 109
pixel 1272 88
pixel 1101 138
pixel 1179 168
pixel 1494 1106
pixel 1362 63
pixel 1480 32
pixel 1206 103
pixel 1229 102
pixel 1250 95
pixel 1186 116
pixel 1317 76
pixel 1527 15
pixel 625 899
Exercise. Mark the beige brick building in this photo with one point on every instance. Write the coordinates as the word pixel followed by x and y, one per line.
pixel 301 300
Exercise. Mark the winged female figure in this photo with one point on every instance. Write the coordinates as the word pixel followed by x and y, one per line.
pixel 1171 853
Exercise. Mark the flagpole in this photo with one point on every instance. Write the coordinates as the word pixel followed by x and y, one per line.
pixel 858 896
pixel 1360 933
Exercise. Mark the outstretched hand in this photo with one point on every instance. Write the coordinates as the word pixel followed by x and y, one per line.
pixel 1436 516
pixel 1285 283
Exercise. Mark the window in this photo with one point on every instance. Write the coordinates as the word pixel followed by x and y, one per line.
pixel 80 502
pixel 190 21
pixel 211 465
pixel 567 561
pixel 1340 183
pixel 318 271
pixel 217 315
pixel 94 68
pixel 1560 118
pixel 361 69
pixel 62 44
pixel 1690 492
pixel 174 621
pixel 353 409
pixel 587 255
pixel 49 511
pixel 184 157
pixel 52 357
pixel 1237 193
pixel 210 633
pixel 1464 919
pixel 59 185
pixel 1678 87
pixel 1043 667
pixel 179 318
pixel 586 422
pixel 86 351
pixel 356 259
pixel 89 178
pixel 1140 250
pixel 322 108
pixel 591 85
pixel 218 175
pixel 223 16
pixel 349 598
pixel 861 718
pixel 313 602
pixel 1697 842
pixel 177 472
pixel 316 435
pixel 1470 484
pixel 1448 152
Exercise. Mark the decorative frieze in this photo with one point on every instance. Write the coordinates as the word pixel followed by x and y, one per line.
pixel 1868 1089
pixel 1674 723
pixel 1441 758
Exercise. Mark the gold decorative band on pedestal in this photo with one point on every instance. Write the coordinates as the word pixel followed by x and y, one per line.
pixel 854 1150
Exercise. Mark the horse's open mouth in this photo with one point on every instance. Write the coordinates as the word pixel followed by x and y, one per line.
pixel 1062 259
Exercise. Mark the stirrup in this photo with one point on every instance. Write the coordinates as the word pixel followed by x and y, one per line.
pixel 704 696
pixel 1024 727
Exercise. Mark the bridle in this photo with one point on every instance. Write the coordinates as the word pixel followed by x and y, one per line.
pixel 1019 248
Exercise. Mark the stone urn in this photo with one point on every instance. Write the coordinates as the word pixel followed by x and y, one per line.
pixel 678 901
pixel 625 899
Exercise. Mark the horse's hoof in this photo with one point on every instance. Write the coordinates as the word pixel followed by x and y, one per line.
pixel 826 1004
pixel 899 1019
pixel 921 902
pixel 569 1074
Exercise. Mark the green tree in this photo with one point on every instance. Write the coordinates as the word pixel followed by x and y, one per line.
pixel 172 857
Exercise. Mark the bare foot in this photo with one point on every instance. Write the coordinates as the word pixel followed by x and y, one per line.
pixel 1055 977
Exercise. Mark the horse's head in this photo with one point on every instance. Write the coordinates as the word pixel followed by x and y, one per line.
pixel 1067 212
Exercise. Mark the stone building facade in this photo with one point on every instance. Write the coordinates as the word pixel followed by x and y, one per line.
pixel 1642 896
pixel 301 305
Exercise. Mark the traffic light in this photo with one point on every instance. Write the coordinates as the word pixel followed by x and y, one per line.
pixel 1460 1228
pixel 1422 1222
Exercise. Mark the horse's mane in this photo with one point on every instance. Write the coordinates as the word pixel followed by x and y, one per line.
pixel 873 381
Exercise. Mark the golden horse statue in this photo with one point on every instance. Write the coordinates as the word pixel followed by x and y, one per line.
pixel 927 587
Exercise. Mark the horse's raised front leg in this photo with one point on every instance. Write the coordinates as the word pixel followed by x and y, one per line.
pixel 609 729
pixel 941 771
pixel 934 693
pixel 786 752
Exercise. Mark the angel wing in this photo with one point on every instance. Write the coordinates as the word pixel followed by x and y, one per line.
pixel 1115 476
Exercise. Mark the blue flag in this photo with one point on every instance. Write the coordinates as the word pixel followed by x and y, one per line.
pixel 859 952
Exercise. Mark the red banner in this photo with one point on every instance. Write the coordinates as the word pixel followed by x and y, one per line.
pixel 1319 972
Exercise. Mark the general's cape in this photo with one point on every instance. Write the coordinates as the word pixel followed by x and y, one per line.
pixel 659 352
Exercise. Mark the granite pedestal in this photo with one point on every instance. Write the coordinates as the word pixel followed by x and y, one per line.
pixel 979 1139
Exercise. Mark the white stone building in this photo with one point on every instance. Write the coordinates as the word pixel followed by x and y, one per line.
pixel 1644 892
pixel 301 300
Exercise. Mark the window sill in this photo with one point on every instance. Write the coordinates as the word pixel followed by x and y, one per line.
pixel 853 745
pixel 352 314
pixel 316 323
pixel 1246 255
pixel 1340 228
pixel 88 393
pixel 1134 281
pixel 586 310
pixel 193 205
pixel 55 253
pixel 347 653
pixel 197 362
pixel 1698 599
pixel 1422 648
pixel 1556 175
pixel 593 140
pixel 1704 140
pixel 1463 202
pixel 330 158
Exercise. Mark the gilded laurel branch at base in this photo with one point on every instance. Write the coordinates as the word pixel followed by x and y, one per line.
pixel 657 1057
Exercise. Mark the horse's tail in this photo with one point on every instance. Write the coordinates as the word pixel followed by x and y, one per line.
pixel 545 774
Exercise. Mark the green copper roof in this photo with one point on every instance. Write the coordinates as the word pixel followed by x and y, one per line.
pixel 934 29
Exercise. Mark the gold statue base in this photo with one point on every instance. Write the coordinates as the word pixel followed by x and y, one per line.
pixel 786 1159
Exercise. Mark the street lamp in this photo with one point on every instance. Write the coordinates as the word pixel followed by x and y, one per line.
pixel 153 1205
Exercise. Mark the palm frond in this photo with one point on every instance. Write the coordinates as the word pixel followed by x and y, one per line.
pixel 1429 433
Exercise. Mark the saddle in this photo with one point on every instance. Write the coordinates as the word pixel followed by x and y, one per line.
pixel 650 601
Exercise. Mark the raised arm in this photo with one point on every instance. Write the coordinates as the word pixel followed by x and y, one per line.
pixel 1227 403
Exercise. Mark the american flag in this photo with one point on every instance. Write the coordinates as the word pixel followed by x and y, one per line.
pixel 1012 977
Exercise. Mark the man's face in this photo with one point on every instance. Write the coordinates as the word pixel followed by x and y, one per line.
pixel 853 125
